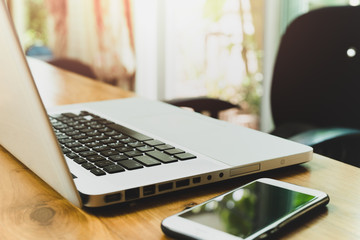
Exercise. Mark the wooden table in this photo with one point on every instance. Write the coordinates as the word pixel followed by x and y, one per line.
pixel 30 209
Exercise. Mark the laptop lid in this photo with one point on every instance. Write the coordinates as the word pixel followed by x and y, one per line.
pixel 23 116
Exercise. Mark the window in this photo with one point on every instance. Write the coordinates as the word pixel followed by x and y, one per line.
pixel 203 47
pixel 215 49
pixel 30 20
pixel 185 48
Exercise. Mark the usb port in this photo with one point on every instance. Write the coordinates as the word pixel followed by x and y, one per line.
pixel 149 190
pixel 182 183
pixel 132 194
pixel 113 197
pixel 165 186
pixel 196 180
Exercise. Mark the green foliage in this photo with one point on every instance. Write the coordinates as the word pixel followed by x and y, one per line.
pixel 322 3
pixel 251 93
pixel 247 93
pixel 36 28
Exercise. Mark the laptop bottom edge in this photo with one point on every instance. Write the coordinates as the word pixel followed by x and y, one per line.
pixel 151 190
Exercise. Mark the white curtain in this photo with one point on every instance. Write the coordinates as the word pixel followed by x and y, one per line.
pixel 96 32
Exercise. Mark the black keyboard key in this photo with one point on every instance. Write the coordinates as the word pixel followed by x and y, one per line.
pixel 97 172
pixel 80 149
pixel 87 153
pixel 86 130
pixel 130 164
pixel 95 158
pixel 80 160
pixel 185 156
pixel 59 126
pixel 53 121
pixel 107 141
pixel 114 169
pixel 57 116
pixel 84 113
pixel 80 126
pixel 111 133
pixel 136 144
pixel 69 121
pixel 93 144
pixel 71 132
pixel 116 145
pixel 101 148
pixel 117 158
pixel 174 151
pixel 73 144
pixel 103 163
pixel 72 155
pixel 163 157
pixel 88 166
pixel 164 147
pixel 108 153
pixel 69 115
pixel 91 123
pixel 87 140
pixel 65 150
pixel 131 133
pixel 153 143
pixel 97 126
pixel 147 161
pixel 79 136
pixel 60 136
pixel 124 149
pixel 65 140
pixel 100 137
pixel 119 136
pixel 103 130
pixel 93 133
pixel 133 153
pixel 127 140
pixel 145 148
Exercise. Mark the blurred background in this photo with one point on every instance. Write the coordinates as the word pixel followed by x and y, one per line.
pixel 169 49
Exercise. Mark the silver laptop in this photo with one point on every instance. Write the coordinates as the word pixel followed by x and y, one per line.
pixel 108 152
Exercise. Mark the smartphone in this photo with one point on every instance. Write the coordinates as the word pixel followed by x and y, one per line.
pixel 254 211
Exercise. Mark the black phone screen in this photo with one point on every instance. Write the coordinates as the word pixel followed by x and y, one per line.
pixel 248 209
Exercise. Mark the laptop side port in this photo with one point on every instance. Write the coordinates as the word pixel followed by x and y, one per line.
pixel 131 194
pixel 196 180
pixel 148 190
pixel 165 186
pixel 113 197
pixel 182 183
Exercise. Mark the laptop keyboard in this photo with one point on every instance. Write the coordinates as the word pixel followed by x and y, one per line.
pixel 104 147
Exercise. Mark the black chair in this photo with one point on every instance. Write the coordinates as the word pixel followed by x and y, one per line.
pixel 316 83
pixel 73 65
pixel 204 104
